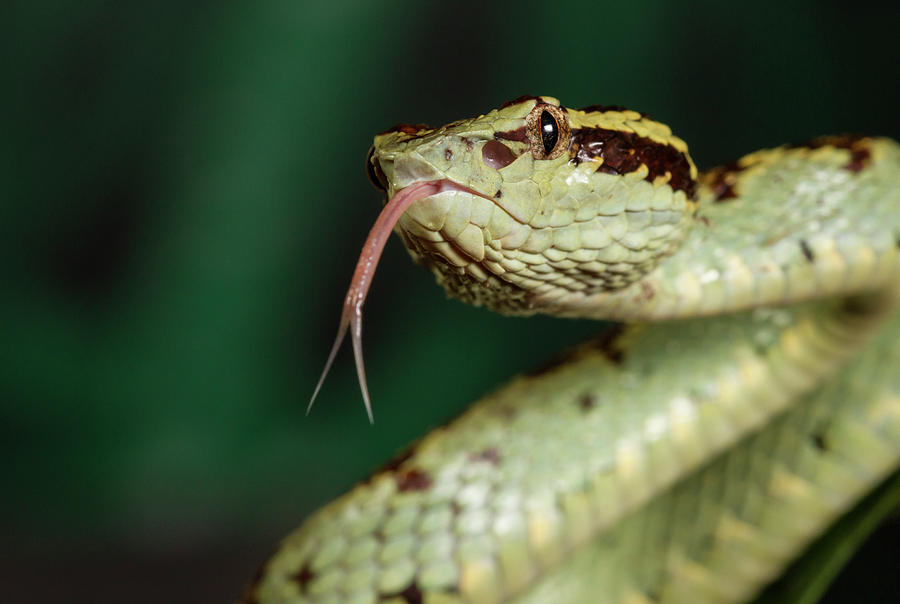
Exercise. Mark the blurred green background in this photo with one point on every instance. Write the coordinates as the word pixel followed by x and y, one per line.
pixel 183 198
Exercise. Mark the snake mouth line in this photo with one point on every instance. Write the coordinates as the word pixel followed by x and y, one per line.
pixel 351 315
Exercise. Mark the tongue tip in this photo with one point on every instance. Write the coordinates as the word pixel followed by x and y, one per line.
pixel 362 276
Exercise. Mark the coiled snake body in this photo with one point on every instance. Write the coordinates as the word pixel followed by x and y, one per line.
pixel 685 461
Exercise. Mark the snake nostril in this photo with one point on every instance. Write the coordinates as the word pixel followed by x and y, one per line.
pixel 497 155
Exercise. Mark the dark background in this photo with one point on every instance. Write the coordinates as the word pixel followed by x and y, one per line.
pixel 182 198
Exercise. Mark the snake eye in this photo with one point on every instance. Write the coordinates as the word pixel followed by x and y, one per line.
pixel 373 170
pixel 547 129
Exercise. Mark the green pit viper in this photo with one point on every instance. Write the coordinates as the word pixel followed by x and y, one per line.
pixel 748 398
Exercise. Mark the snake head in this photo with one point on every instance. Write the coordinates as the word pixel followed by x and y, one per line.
pixel 553 204
pixel 527 208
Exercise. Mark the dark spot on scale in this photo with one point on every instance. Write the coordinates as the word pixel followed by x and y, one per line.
pixel 722 181
pixel 411 594
pixel 858 305
pixel 623 152
pixel 703 220
pixel 490 455
pixel 858 145
pixel 807 252
pixel 859 158
pixel 609 344
pixel 469 144
pixel 448 154
pixel 303 577
pixel 499 194
pixel 647 291
pixel 520 99
pixel 517 135
pixel 587 401
pixel 455 508
pixel 725 191
pixel 406 128
pixel 398 460
pixel 412 480
pixel 818 440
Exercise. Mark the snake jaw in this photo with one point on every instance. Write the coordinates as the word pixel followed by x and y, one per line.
pixel 351 315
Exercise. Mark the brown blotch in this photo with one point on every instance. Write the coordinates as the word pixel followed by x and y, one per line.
pixel 303 577
pixel 513 135
pixel 448 154
pixel 610 345
pixel 496 155
pixel 858 145
pixel 587 401
pixel 807 252
pixel 725 191
pixel 818 440
pixel 860 304
pixel 520 99
pixel 722 181
pixel 394 463
pixel 412 594
pixel 624 152
pixel 406 128
pixel 859 159
pixel 412 480
pixel 491 455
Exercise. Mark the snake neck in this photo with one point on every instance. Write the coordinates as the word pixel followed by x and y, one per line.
pixel 775 227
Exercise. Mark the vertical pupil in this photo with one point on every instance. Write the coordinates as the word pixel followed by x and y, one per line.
pixel 549 131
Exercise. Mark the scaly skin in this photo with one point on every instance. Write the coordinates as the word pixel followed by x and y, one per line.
pixel 687 461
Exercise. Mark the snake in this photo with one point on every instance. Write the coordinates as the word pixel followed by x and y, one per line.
pixel 746 397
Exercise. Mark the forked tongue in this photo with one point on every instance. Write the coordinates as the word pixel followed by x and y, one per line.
pixel 351 317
